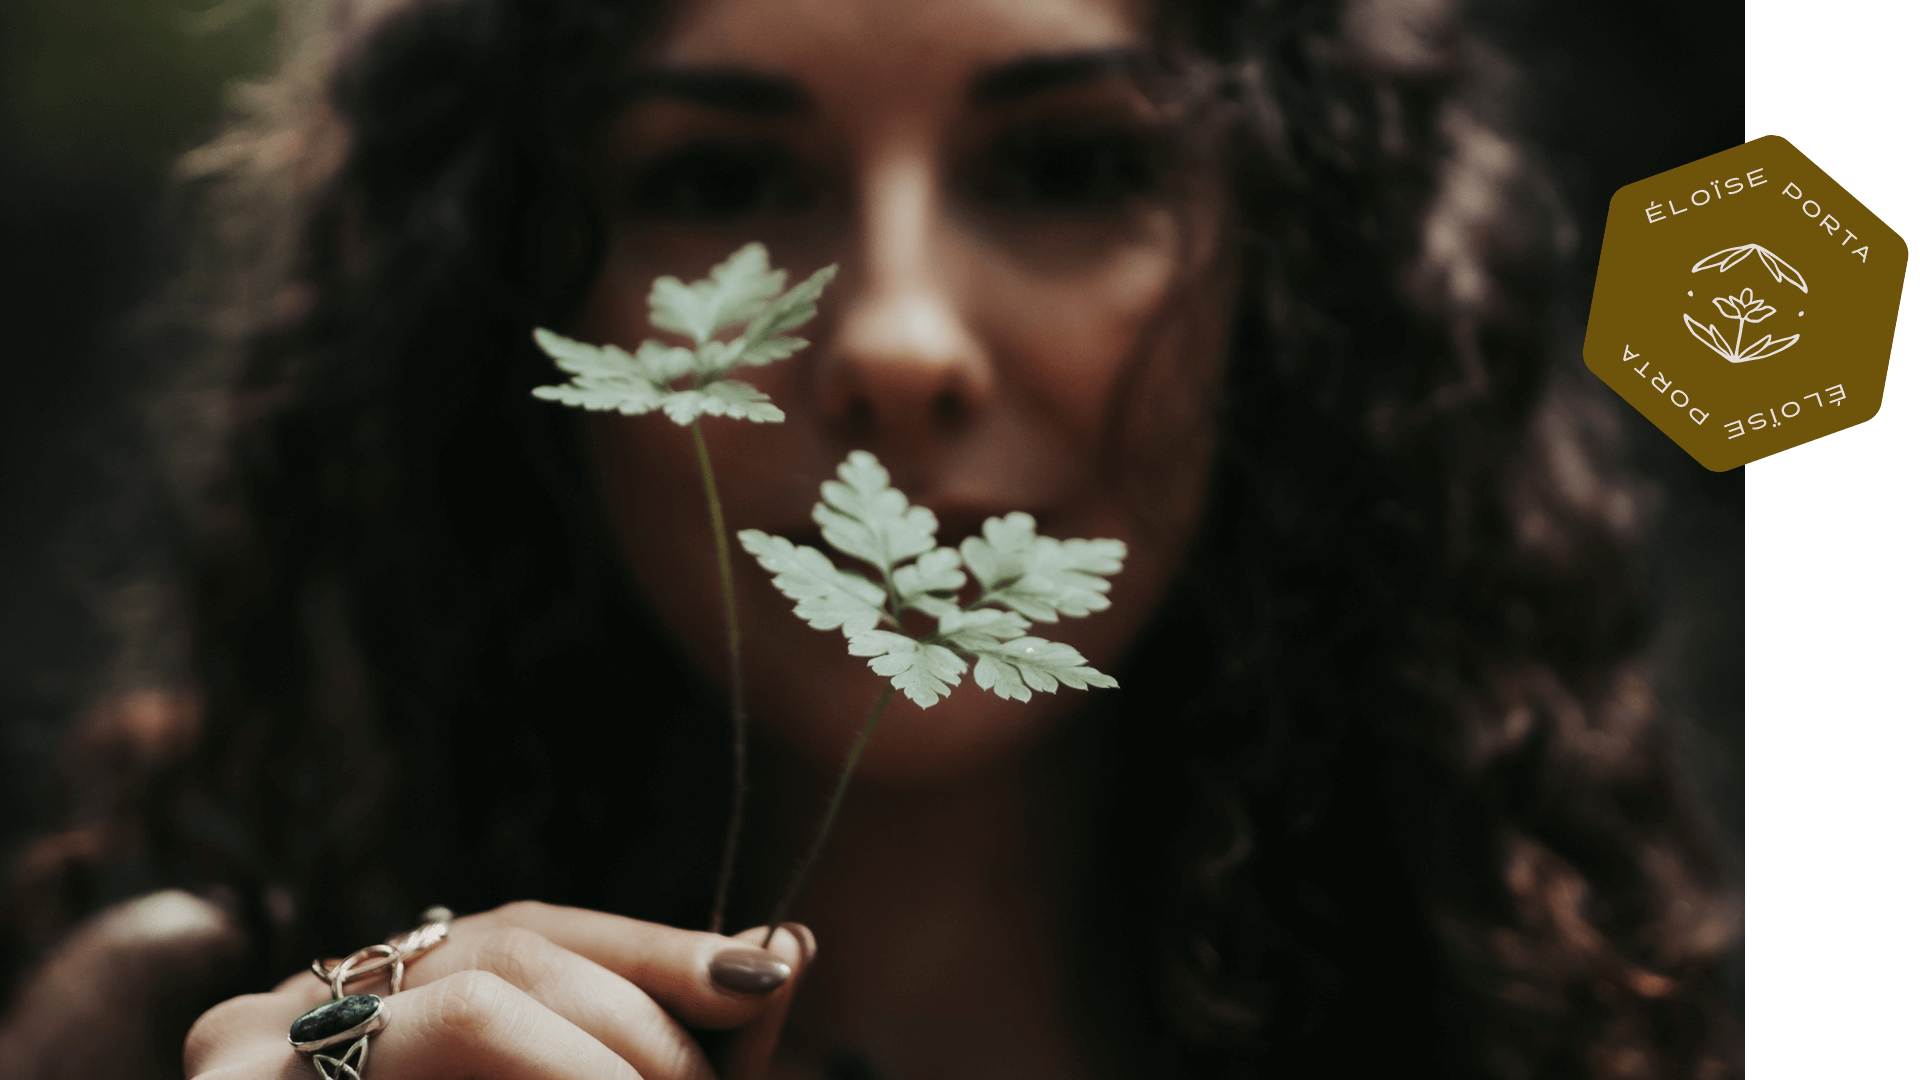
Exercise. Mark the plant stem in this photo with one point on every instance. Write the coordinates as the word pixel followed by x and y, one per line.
pixel 736 683
pixel 833 810
pixel 1737 335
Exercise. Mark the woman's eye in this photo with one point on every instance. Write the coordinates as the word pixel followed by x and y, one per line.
pixel 717 184
pixel 1071 169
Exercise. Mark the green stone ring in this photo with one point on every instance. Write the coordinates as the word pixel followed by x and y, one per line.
pixel 350 1020
pixel 343 1020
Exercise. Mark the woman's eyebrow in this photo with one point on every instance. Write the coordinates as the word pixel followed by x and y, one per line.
pixel 1029 75
pixel 728 89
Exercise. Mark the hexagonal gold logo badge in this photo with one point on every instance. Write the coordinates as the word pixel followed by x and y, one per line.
pixel 1745 303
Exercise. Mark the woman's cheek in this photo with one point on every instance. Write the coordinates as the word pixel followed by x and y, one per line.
pixel 1073 336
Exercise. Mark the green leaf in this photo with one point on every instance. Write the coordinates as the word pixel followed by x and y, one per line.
pixel 608 378
pixel 724 397
pixel 826 597
pixel 1038 576
pixel 579 358
pixel 984 628
pixel 632 395
pixel 764 339
pixel 733 292
pixel 711 360
pixel 1000 678
pixel 1012 669
pixel 604 377
pixel 929 583
pixel 924 671
pixel 663 363
pixel 740 290
pixel 1003 552
pixel 758 353
pixel 1024 577
pixel 862 515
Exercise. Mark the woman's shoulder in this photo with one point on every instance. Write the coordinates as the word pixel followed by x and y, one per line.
pixel 115 997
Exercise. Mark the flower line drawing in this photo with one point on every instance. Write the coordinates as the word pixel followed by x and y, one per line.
pixel 1745 309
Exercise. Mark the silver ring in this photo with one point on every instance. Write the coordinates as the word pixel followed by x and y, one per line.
pixel 351 1020
pixel 390 956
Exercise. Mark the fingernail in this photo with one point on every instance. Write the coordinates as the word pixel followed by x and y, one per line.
pixel 747 971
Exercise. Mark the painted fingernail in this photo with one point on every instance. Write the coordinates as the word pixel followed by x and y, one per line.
pixel 747 971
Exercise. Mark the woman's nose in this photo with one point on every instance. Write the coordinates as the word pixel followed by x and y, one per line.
pixel 905 364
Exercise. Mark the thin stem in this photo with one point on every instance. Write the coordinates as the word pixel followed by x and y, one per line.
pixel 833 810
pixel 736 683
pixel 1737 334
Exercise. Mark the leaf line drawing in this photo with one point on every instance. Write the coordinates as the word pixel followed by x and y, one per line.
pixel 1744 308
pixel 1777 266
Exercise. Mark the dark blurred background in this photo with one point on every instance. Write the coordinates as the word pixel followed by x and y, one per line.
pixel 96 99
pixel 98 96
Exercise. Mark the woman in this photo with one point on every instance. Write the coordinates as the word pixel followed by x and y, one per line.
pixel 1255 289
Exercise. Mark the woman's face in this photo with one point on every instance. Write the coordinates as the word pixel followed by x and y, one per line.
pixel 1029 315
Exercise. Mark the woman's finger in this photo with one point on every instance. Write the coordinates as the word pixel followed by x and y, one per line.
pixel 248 1031
pixel 704 980
pixel 471 1023
pixel 749 1053
pixel 596 977
pixel 587 995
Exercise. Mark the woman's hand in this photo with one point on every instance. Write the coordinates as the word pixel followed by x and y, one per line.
pixel 532 990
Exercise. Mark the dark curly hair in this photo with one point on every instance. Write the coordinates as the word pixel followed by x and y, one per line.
pixel 1397 799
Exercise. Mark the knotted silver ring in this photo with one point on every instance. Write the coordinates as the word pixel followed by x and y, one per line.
pixel 351 1020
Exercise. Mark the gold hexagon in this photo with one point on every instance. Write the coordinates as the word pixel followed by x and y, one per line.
pixel 1745 303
